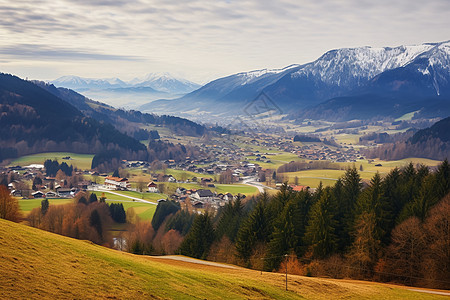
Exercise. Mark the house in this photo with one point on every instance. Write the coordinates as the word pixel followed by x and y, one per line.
pixel 299 188
pixel 65 193
pixel 38 194
pixel 203 195
pixel 152 187
pixel 117 182
pixel 84 185
pixel 51 194
pixel 16 193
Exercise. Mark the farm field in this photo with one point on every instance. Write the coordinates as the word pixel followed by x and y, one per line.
pixel 26 205
pixel 84 270
pixel 145 211
pixel 81 161
pixel 328 177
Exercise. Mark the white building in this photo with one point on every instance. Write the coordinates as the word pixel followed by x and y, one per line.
pixel 117 182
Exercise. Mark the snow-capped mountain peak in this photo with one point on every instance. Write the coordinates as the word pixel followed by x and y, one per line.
pixel 344 66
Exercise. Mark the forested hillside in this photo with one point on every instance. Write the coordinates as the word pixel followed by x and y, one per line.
pixel 433 142
pixel 127 121
pixel 34 120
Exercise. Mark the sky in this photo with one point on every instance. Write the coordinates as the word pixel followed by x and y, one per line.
pixel 200 40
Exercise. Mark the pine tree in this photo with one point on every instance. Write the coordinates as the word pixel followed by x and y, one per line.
pixel 44 206
pixel 199 239
pixel 93 198
pixel 96 222
pixel 230 220
pixel 284 238
pixel 320 232
pixel 350 192
pixel 255 229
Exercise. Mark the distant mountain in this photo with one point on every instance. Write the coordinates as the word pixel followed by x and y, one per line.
pixel 222 96
pixel 33 120
pixel 362 76
pixel 130 94
pixel 82 84
pixel 129 122
pixel 165 82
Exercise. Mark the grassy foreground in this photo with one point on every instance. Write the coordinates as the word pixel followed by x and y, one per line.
pixel 36 264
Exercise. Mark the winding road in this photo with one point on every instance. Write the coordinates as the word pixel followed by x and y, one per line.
pixel 252 181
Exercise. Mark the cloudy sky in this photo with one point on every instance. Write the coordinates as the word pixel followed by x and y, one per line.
pixel 198 39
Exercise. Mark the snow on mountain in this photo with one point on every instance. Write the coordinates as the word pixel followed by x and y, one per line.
pixel 165 82
pixel 161 82
pixel 252 76
pixel 355 66
pixel 79 83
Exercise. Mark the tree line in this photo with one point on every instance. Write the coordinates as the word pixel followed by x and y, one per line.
pixel 346 230
pixel 87 218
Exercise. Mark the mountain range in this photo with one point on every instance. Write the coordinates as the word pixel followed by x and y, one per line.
pixel 342 84
pixel 128 94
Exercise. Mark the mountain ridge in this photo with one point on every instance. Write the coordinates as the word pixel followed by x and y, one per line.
pixel 345 72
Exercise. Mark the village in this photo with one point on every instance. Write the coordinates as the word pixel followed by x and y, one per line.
pixel 225 162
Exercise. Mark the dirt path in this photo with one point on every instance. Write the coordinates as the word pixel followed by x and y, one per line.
pixel 430 292
pixel 196 261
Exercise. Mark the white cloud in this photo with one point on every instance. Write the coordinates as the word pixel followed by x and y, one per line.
pixel 203 39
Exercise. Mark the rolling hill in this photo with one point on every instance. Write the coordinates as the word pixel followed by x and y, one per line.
pixel 34 120
pixel 126 121
pixel 42 265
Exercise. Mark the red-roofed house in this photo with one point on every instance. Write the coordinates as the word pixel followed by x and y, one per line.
pixel 117 182
pixel 299 188
pixel 152 187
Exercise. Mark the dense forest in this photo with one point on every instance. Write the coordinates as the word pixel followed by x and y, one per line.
pixel 343 231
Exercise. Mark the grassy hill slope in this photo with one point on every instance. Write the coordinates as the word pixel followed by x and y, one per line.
pixel 38 264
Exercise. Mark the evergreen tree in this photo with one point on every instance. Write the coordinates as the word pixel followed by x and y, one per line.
pixel 368 228
pixel 44 206
pixel 164 209
pixel 320 232
pixel 116 173
pixel 96 222
pixel 255 229
pixel 350 193
pixel 230 219
pixel 93 198
pixel 199 239
pixel 284 239
pixel 442 187
pixel 181 222
pixel 83 200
